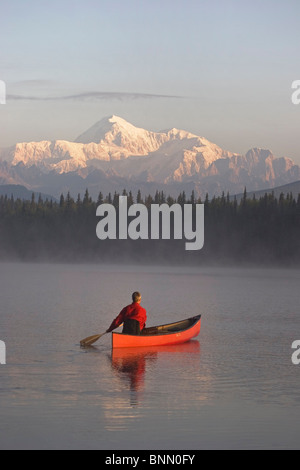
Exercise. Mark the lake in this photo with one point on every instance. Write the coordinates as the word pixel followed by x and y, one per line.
pixel 234 387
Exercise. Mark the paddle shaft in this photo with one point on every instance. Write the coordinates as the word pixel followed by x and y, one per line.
pixel 91 339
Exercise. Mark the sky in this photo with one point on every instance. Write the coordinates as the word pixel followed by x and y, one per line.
pixel 222 69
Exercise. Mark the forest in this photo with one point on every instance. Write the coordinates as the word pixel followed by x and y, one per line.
pixel 249 231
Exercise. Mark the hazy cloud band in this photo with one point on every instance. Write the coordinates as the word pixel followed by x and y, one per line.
pixel 93 95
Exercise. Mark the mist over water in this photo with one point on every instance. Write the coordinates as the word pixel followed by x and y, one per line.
pixel 233 387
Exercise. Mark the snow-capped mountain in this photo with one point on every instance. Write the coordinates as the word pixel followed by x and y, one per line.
pixel 112 140
pixel 113 152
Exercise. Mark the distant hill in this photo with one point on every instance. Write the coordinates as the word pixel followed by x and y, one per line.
pixel 21 192
pixel 293 188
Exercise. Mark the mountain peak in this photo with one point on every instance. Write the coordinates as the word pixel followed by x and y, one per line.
pixel 257 153
pixel 116 119
pixel 123 138
pixel 111 120
pixel 107 128
pixel 98 131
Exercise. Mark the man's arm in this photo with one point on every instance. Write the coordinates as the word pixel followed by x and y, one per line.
pixel 117 322
pixel 145 320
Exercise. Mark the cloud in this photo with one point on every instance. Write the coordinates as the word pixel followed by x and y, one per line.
pixel 93 95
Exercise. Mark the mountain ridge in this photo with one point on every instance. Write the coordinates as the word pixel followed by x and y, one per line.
pixel 113 149
pixel 17 191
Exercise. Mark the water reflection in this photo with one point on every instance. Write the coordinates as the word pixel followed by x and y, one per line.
pixel 131 364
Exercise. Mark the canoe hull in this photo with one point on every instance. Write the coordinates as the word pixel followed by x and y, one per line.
pixel 173 333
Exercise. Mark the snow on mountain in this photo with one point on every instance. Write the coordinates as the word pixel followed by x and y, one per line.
pixel 119 135
pixel 173 153
pixel 117 149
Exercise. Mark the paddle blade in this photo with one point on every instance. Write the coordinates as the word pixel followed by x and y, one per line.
pixel 90 340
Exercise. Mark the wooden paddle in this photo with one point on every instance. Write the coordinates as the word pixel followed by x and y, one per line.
pixel 91 339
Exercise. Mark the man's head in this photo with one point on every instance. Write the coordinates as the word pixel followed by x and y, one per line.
pixel 136 297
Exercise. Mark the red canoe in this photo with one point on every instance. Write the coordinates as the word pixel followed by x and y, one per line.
pixel 172 333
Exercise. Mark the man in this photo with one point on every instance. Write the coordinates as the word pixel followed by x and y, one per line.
pixel 133 316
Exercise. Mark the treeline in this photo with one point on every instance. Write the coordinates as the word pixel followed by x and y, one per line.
pixel 251 230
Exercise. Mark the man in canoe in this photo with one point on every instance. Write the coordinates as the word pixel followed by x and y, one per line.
pixel 134 317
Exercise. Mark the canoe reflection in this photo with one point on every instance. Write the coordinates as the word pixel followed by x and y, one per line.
pixel 131 364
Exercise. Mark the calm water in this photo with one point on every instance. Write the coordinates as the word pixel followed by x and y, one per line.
pixel 233 387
